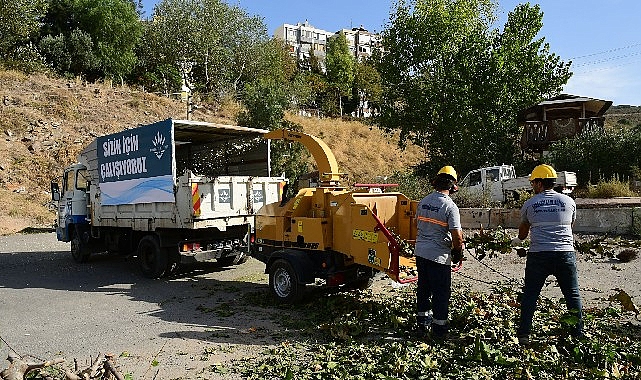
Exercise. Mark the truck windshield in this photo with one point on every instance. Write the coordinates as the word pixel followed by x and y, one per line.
pixel 67 183
pixel 492 175
pixel 474 178
pixel 81 179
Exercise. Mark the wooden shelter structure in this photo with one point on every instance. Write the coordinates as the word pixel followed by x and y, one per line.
pixel 558 118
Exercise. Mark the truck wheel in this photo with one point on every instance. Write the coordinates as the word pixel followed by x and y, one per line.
pixel 79 250
pixel 283 282
pixel 152 260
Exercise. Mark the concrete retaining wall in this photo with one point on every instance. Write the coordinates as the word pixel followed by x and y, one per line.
pixel 623 220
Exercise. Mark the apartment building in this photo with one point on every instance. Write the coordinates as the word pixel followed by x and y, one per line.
pixel 303 38
pixel 361 42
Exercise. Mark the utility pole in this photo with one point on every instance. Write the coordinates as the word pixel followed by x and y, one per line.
pixel 185 88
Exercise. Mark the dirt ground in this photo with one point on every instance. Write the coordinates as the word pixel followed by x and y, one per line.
pixel 599 276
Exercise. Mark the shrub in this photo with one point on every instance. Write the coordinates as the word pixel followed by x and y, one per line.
pixel 414 187
pixel 520 200
pixel 610 189
pixel 599 154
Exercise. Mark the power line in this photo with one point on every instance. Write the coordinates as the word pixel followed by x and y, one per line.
pixel 608 59
pixel 605 68
pixel 606 51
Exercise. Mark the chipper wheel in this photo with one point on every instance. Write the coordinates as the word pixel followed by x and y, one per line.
pixel 283 282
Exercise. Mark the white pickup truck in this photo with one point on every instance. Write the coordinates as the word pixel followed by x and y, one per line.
pixel 501 184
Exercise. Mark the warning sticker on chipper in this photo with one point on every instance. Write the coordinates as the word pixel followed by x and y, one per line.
pixel 368 236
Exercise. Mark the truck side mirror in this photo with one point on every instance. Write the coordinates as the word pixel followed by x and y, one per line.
pixel 55 191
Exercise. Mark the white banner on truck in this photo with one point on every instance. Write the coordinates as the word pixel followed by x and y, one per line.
pixel 141 190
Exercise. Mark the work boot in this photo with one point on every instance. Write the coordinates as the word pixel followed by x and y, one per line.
pixel 440 332
pixel 524 340
pixel 422 330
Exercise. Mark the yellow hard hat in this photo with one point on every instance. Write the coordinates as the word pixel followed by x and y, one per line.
pixel 543 171
pixel 449 171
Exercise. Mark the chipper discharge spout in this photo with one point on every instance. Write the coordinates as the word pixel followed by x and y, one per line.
pixel 332 233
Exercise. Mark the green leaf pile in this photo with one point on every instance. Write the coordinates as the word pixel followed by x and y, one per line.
pixel 489 243
pixel 361 335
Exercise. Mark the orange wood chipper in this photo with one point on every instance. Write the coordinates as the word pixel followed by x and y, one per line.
pixel 332 234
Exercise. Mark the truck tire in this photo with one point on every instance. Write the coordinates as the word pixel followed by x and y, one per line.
pixel 152 260
pixel 283 282
pixel 79 249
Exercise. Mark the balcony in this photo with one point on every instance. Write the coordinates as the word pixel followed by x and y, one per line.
pixel 538 135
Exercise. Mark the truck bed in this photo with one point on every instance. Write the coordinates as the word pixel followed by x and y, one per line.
pixel 223 201
pixel 196 175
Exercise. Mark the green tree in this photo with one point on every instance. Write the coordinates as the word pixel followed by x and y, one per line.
pixel 454 85
pixel 339 63
pixel 318 89
pixel 265 103
pixel 72 54
pixel 95 38
pixel 217 41
pixel 115 30
pixel 155 70
pixel 315 64
pixel 367 85
pixel 19 24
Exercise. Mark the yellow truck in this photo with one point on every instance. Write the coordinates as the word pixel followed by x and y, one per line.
pixel 331 233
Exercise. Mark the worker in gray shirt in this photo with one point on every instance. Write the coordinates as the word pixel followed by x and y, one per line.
pixel 548 217
pixel 439 243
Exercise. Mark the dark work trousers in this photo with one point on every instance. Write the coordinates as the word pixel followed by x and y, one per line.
pixel 433 293
pixel 538 267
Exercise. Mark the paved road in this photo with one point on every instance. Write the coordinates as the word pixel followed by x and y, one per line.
pixel 50 307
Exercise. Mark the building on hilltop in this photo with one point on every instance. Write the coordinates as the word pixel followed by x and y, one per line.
pixel 361 42
pixel 303 38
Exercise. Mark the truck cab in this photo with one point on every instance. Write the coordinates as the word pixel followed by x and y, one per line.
pixel 72 201
pixel 488 180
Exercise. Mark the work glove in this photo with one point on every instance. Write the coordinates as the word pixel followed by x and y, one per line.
pixel 457 255
pixel 516 242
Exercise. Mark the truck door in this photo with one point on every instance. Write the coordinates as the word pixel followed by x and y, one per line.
pixel 72 208
pixel 473 182
pixel 493 183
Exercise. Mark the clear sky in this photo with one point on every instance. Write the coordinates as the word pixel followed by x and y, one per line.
pixel 601 38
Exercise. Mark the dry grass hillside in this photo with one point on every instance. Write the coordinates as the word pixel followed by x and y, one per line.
pixel 362 152
pixel 46 122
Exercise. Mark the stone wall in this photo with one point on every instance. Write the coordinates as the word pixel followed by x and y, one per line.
pixel 617 221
